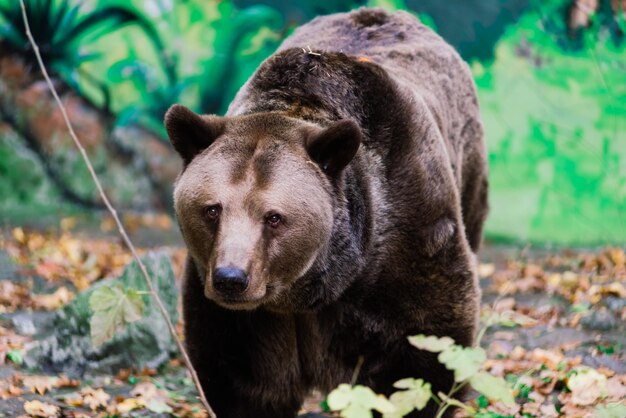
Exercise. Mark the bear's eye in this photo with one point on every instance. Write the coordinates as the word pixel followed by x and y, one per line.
pixel 273 220
pixel 212 212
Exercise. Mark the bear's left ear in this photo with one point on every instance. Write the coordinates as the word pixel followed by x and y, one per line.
pixel 334 147
pixel 191 133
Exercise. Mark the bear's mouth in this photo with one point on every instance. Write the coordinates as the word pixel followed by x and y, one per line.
pixel 238 303
pixel 243 301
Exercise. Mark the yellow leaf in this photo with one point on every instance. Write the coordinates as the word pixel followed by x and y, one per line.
pixel 151 397
pixel 95 398
pixel 41 409
pixel 39 384
pixel 128 405
pixel 486 269
pixel 587 385
pixel 19 235
pixel 54 300
pixel 68 223
pixel 73 399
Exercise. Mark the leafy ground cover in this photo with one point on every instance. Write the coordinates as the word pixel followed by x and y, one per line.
pixel 559 341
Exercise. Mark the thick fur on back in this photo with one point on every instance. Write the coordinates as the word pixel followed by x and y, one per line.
pixel 408 214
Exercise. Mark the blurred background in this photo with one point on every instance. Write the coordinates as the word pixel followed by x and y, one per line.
pixel 551 77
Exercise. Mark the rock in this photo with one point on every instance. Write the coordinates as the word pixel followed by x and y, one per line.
pixel 26 190
pixel 600 320
pixel 24 324
pixel 136 172
pixel 144 343
pixel 615 304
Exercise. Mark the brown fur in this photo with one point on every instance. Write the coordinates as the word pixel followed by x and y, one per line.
pixel 374 158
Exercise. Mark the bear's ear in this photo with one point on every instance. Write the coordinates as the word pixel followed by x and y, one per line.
pixel 334 147
pixel 191 133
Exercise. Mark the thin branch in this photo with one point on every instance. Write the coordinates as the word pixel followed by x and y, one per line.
pixel 118 222
pixel 357 370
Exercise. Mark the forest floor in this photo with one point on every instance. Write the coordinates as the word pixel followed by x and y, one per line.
pixel 571 304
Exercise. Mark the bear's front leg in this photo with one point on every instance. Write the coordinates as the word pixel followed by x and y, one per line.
pixel 246 360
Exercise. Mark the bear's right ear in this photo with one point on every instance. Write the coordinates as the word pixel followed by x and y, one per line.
pixel 334 147
pixel 191 133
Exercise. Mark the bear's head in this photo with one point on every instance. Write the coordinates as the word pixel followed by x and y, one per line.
pixel 255 200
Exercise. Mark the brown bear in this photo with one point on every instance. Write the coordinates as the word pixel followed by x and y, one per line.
pixel 334 211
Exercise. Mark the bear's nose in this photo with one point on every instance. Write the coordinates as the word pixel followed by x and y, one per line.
pixel 229 280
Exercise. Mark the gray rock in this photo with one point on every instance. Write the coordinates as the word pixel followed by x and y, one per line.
pixel 615 304
pixel 600 320
pixel 144 343
pixel 23 324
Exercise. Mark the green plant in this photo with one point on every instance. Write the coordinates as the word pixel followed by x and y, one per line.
pixel 63 32
pixel 465 362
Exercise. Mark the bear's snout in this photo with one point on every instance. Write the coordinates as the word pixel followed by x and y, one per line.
pixel 230 281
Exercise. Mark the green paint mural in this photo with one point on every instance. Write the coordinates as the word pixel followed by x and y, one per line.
pixel 555 120
pixel 551 88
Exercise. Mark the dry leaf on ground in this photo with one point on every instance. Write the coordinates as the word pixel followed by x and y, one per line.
pixel 41 409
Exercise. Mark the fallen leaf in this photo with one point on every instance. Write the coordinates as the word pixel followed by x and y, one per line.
pixel 65 382
pixel 19 235
pixel 486 269
pixel 39 384
pixel 549 358
pixel 616 387
pixel 612 410
pixel 72 399
pixel 153 398
pixel 41 409
pixel 128 405
pixel 54 300
pixel 587 385
pixel 94 398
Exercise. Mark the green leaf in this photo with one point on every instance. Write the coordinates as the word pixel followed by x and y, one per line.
pixel 339 398
pixel 9 33
pixel 511 319
pixel 324 406
pixel 416 396
pixel 464 361
pixel 611 410
pixel 357 401
pixel 158 406
pixel 105 298
pixel 493 387
pixel 431 343
pixel 15 356
pixel 113 308
pixel 357 411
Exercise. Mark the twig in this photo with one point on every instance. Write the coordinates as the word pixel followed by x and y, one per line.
pixel 111 209
pixel 357 370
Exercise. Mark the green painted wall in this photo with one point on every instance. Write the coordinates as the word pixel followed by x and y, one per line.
pixel 553 101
